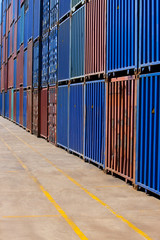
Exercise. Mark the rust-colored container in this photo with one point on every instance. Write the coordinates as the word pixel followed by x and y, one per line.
pixel 18 71
pixel 6 48
pixel 29 63
pixel 10 15
pixel 21 107
pixel 10 102
pixel 44 113
pixel 6 77
pixel 10 72
pixel 95 37
pixel 11 35
pixel 2 77
pixel 29 110
pixel 14 107
pixel 21 64
pixel 52 115
pixel 35 122
pixel 121 111
pixel 15 39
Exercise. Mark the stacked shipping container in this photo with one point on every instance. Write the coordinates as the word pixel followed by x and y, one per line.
pixel 72 71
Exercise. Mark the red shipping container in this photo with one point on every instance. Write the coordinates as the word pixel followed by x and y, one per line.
pixel 10 72
pixel 35 122
pixel 6 48
pixel 6 77
pixel 10 16
pixel 29 63
pixel 21 107
pixel 29 110
pixel 18 70
pixel 52 115
pixel 14 106
pixel 15 39
pixel 121 102
pixel 7 22
pixel 0 34
pixel 44 113
pixel 11 29
pixel 10 100
pixel 2 77
pixel 95 37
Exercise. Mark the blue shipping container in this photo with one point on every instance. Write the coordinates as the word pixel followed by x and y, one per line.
pixel 53 61
pixel 0 103
pixel 17 106
pixel 76 118
pixel 94 145
pixel 64 8
pixel 149 33
pixel 25 108
pixel 30 20
pixel 45 16
pixel 26 29
pixel 53 13
pixel 37 16
pixel 77 43
pixel 148 133
pixel 45 61
pixel 64 51
pixel 3 104
pixel 22 25
pixel 6 103
pixel 36 64
pixel 122 37
pixel 62 116
pixel 15 73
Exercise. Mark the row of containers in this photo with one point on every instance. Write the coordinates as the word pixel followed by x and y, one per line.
pixel 114 124
pixel 86 43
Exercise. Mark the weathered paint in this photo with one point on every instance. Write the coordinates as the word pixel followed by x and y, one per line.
pixel 52 114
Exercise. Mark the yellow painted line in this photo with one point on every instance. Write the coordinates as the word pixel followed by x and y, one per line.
pixel 49 197
pixel 32 216
pixel 132 226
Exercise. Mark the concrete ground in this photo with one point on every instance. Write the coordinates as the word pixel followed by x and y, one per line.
pixel 46 193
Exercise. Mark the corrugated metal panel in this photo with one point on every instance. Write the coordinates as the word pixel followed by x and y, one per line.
pixel 53 60
pixel 52 115
pixel 64 8
pixel 3 103
pixel 44 113
pixel 26 21
pixel 37 19
pixel 29 63
pixel 62 116
pixel 17 106
pixel 12 104
pixel 21 106
pixel 18 34
pixel 36 64
pixel 122 19
pixel 95 37
pixel 30 19
pixel 25 108
pixel 22 25
pixel 25 70
pixel 29 110
pixel 15 39
pixel 10 96
pixel 53 12
pixel 6 77
pixel 35 122
pixel 64 51
pixel 77 43
pixel 10 72
pixel 121 103
pixel 45 61
pixel 0 103
pixel 76 118
pixel 94 145
pixel 148 133
pixel 15 73
pixel 149 34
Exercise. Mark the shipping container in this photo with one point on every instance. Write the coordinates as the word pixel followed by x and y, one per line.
pixel 121 113
pixel 36 64
pixel 29 110
pixel 37 19
pixel 29 63
pixel 52 115
pixel 17 106
pixel 6 77
pixel 76 118
pixel 10 102
pixel 6 105
pixel 21 106
pixel 26 21
pixel 44 113
pixel 149 34
pixel 36 109
pixel 3 103
pixel 53 13
pixel 53 57
pixel 95 37
pixel 45 16
pixel 0 103
pixel 30 19
pixel 24 108
pixel 122 36
pixel 62 117
pixel 45 61
pixel 14 106
pixel 10 72
pixel 148 133
pixel 64 8
pixel 15 73
pixel 94 141
pixel 77 43
pixel 64 51
pixel 25 70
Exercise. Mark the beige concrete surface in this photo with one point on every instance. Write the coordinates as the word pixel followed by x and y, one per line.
pixel 48 194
